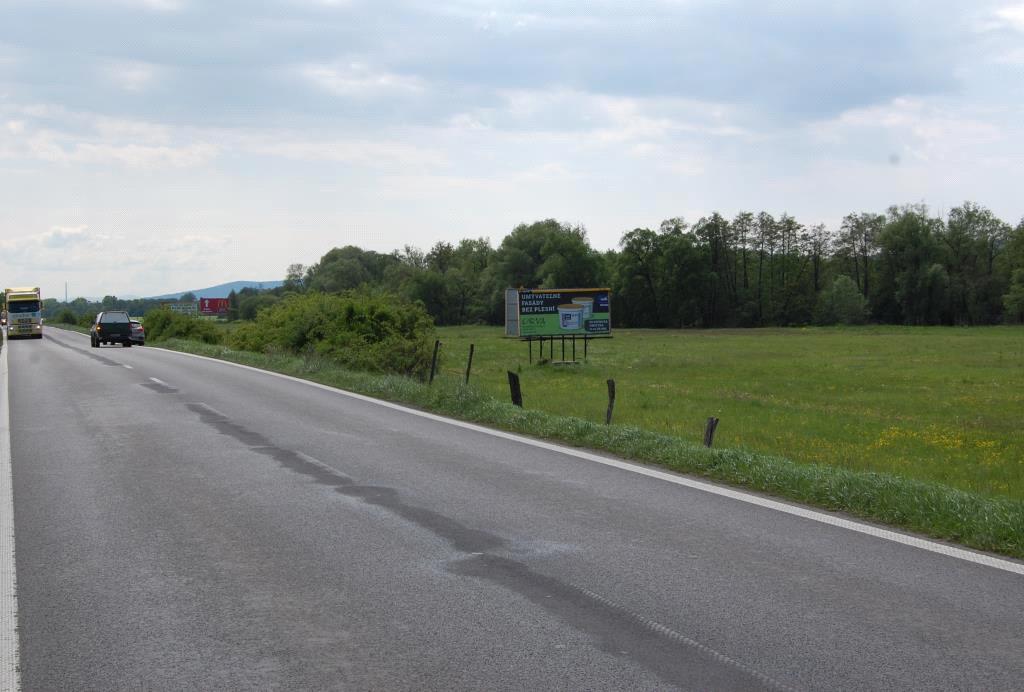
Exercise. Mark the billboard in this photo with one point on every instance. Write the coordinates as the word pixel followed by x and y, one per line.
pixel 182 308
pixel 213 306
pixel 565 311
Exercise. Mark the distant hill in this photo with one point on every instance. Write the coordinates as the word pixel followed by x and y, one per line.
pixel 221 290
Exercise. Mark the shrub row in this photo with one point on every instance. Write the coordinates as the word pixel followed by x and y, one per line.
pixel 362 331
pixel 164 324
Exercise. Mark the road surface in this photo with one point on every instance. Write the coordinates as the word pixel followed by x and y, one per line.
pixel 187 524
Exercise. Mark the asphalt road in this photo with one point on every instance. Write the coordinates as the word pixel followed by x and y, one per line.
pixel 186 524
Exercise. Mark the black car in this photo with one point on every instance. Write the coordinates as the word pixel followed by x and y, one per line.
pixel 111 327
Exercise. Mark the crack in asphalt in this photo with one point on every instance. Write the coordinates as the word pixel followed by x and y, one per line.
pixel 673 657
pixel 81 351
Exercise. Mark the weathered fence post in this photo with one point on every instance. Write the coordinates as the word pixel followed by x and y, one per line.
pixel 611 402
pixel 513 385
pixel 709 431
pixel 469 365
pixel 433 361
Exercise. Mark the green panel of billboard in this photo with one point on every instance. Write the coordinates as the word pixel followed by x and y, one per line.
pixel 565 311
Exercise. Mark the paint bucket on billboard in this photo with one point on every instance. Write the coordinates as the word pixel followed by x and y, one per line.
pixel 588 305
pixel 570 316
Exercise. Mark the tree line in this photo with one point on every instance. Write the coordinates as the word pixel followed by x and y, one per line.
pixel 905 266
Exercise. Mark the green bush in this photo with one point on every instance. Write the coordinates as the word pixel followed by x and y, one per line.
pixel 66 317
pixel 841 303
pixel 372 332
pixel 1013 301
pixel 162 323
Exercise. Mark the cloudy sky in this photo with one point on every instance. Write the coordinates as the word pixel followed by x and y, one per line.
pixel 149 146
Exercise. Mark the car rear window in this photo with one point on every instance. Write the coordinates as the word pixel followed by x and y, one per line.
pixel 115 317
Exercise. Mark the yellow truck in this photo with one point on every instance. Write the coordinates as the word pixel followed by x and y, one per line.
pixel 24 312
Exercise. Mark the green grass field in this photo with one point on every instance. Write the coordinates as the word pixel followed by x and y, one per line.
pixel 933 404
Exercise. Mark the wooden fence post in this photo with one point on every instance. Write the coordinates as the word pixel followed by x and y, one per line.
pixel 611 402
pixel 433 361
pixel 513 385
pixel 709 431
pixel 469 365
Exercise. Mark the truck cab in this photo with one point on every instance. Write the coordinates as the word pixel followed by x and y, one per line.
pixel 24 312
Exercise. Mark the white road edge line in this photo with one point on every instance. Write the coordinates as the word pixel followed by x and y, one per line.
pixel 812 515
pixel 9 675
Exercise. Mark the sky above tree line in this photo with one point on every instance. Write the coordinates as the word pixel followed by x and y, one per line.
pixel 150 146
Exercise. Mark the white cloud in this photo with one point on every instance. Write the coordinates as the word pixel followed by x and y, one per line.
pixel 185 251
pixel 131 76
pixel 54 135
pixel 358 79
pixel 1011 57
pixel 135 155
pixel 9 55
pixel 493 20
pixel 152 5
pixel 366 152
pixel 64 236
pixel 56 147
pixel 927 132
pixel 156 5
pixel 60 247
pixel 1012 15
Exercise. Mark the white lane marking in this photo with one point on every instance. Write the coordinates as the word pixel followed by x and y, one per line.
pixel 9 676
pixel 160 382
pixel 128 366
pixel 820 517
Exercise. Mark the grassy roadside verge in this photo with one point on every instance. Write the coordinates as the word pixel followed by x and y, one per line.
pixel 975 521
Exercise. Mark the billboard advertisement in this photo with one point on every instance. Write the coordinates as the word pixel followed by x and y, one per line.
pixel 213 306
pixel 182 308
pixel 565 311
